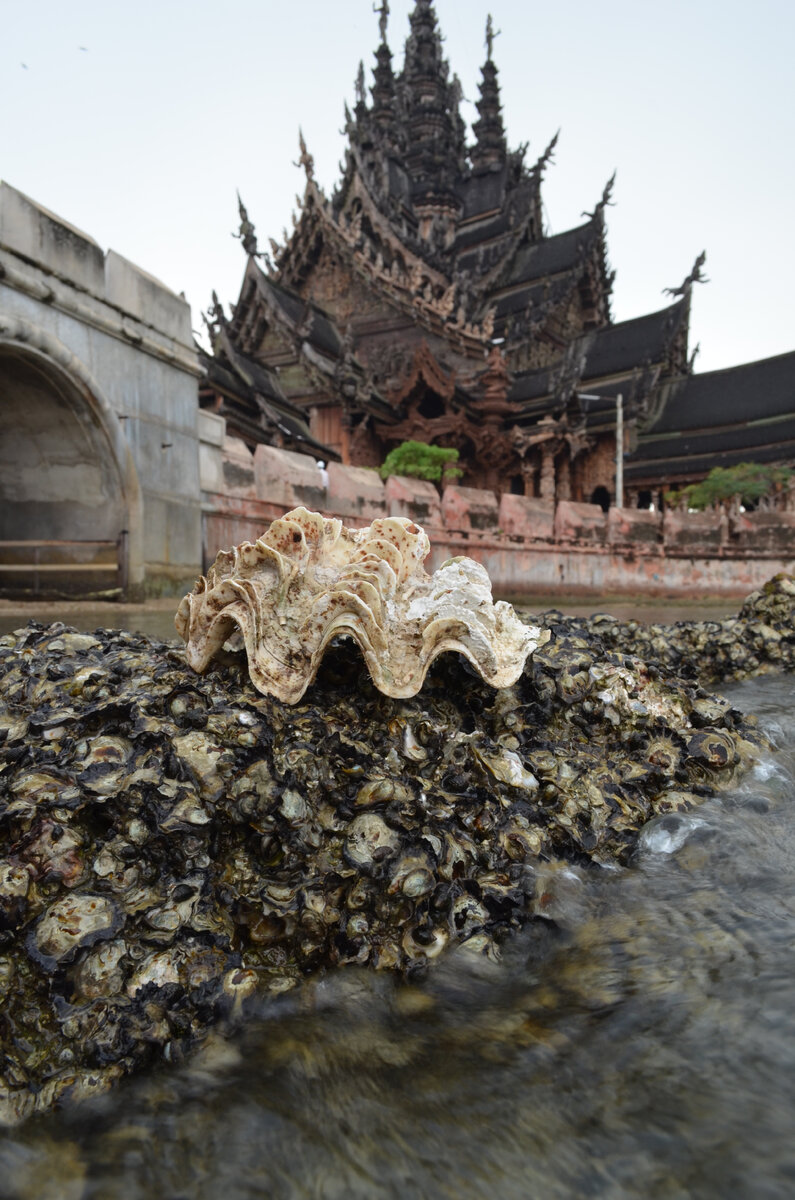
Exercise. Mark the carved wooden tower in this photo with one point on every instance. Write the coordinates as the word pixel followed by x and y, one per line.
pixel 424 300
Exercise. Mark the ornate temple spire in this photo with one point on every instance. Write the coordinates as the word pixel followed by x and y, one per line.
pixel 383 90
pixel 489 149
pixel 431 133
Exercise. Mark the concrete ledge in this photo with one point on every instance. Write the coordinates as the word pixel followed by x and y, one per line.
pixel 35 233
pixel 576 522
pixel 134 291
pixel 471 510
pixel 633 525
pixel 288 478
pixel 416 499
pixel 356 492
pixel 526 517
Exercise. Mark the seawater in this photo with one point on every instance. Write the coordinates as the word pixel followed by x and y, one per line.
pixel 637 1042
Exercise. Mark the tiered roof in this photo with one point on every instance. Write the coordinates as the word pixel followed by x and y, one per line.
pixel 436 242
pixel 718 418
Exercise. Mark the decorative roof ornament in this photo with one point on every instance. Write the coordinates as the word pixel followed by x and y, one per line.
pixel 543 162
pixel 308 580
pixel 695 276
pixel 215 318
pixel 605 200
pixel 359 85
pixel 247 234
pixel 490 36
pixel 216 310
pixel 383 17
pixel 305 159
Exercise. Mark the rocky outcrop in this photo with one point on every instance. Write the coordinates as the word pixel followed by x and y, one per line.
pixel 176 844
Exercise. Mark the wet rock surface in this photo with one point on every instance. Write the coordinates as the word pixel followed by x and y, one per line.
pixel 175 845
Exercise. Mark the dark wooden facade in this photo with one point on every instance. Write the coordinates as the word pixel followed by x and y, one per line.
pixel 424 300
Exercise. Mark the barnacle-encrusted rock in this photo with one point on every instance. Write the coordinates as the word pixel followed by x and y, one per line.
pixel 309 579
pixel 172 844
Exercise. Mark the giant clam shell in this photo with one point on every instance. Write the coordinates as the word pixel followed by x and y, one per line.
pixel 309 579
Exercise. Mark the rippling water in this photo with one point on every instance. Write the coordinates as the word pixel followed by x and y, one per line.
pixel 640 1042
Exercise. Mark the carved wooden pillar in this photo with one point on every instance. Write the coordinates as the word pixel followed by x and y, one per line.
pixel 529 476
pixel 345 449
pixel 563 489
pixel 547 482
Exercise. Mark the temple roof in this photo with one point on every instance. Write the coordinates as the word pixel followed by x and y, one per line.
pixel 719 418
pixel 596 358
pixel 254 403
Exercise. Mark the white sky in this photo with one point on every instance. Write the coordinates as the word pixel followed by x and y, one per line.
pixel 141 138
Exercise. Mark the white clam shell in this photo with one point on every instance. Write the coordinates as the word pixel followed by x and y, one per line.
pixel 309 579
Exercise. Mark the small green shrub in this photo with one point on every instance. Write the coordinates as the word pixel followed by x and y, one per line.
pixel 421 461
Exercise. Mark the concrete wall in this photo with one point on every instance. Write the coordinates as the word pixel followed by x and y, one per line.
pixel 99 423
pixel 528 547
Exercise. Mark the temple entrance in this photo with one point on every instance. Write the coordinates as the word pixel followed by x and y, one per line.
pixel 63 515
pixel 601 496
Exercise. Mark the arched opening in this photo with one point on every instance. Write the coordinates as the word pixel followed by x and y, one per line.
pixel 644 498
pixel 431 406
pixel 62 496
pixel 601 496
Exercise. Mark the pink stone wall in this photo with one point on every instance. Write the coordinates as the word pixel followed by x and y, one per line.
pixel 632 525
pixel 528 547
pixel 356 493
pixel 526 517
pixel 284 477
pixel 416 499
pixel 771 531
pixel 470 510
pixel 576 522
pixel 696 532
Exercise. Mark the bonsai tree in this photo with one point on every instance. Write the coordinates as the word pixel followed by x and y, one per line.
pixel 421 461
pixel 747 483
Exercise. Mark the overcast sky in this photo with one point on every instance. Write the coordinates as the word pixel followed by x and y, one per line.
pixel 137 122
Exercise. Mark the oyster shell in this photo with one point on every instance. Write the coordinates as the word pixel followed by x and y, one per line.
pixel 309 579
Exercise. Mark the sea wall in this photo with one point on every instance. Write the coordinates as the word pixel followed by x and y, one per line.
pixel 530 547
pixel 98 416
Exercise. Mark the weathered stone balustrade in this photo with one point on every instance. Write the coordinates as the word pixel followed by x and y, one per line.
pixel 529 546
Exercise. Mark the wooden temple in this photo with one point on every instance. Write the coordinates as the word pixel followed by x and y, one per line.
pixel 424 300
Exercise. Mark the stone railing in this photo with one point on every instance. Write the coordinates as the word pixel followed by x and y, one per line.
pixel 243 492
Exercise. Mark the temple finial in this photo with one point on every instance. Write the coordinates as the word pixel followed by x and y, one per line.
pixel 383 16
pixel 360 96
pixel 247 234
pixel 490 36
pixel 305 159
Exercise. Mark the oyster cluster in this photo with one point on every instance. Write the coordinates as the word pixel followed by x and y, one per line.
pixel 309 579
pixel 760 639
pixel 175 845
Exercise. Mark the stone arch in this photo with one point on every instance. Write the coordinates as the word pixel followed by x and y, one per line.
pixel 66 470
